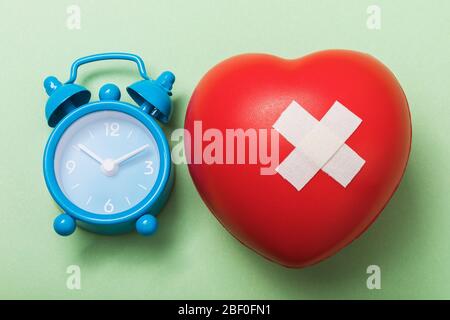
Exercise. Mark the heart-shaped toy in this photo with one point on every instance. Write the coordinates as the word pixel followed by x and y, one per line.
pixel 339 125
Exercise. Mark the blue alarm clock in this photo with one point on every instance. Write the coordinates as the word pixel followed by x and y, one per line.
pixel 107 163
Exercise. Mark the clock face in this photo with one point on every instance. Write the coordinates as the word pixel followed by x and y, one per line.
pixel 106 162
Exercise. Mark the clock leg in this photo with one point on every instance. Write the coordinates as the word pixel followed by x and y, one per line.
pixel 146 225
pixel 64 224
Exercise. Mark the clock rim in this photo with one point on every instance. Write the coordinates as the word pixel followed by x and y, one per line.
pixel 133 213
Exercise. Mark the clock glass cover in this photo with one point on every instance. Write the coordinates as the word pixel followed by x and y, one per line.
pixel 106 162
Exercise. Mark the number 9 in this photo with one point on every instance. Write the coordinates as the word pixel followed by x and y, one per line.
pixel 70 166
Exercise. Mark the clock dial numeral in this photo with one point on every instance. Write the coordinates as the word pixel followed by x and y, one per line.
pixel 149 167
pixel 70 166
pixel 112 129
pixel 88 200
pixel 108 207
pixel 128 201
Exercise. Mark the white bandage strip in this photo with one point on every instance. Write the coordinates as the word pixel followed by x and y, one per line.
pixel 319 145
pixel 344 165
pixel 295 123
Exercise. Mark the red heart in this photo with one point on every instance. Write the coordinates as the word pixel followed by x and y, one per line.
pixel 265 212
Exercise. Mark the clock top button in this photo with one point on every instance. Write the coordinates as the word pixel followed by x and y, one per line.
pixel 109 92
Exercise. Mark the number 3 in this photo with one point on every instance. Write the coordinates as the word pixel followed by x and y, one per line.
pixel 149 166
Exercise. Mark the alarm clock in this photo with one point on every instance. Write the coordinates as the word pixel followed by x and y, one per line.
pixel 107 163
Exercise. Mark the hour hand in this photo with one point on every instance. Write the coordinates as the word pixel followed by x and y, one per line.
pixel 90 153
pixel 131 154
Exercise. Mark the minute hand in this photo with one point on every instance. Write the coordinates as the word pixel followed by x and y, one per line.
pixel 90 153
pixel 131 154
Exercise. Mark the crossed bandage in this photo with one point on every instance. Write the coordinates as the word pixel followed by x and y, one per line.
pixel 319 145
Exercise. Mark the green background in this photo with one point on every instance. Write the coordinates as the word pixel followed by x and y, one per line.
pixel 192 256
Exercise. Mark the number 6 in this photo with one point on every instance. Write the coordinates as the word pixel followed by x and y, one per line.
pixel 108 207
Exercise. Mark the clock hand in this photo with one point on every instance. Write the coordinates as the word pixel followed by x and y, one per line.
pixel 90 153
pixel 131 154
